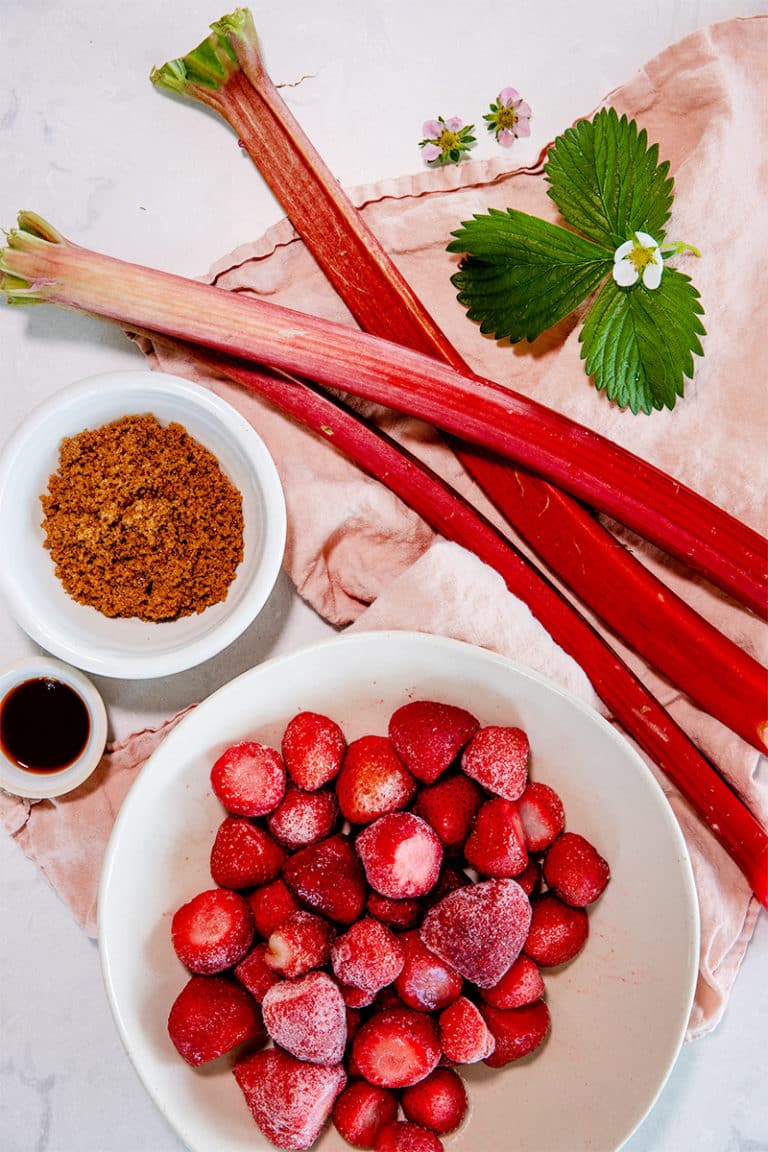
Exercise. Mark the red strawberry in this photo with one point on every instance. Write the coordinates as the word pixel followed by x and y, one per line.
pixel 244 855
pixel 405 1136
pixel 356 997
pixel 496 845
pixel 362 1110
pixel 212 931
pixel 521 984
pixel 426 982
pixel 210 1016
pixel 464 1034
pixel 367 956
pixel 575 870
pixel 396 1048
pixel 530 877
pixel 303 818
pixel 557 933
pixel 329 878
pixel 396 913
pixel 543 816
pixel 401 855
pixel 438 1102
pixel 313 748
pixel 289 1099
pixel 271 904
pixel 373 781
pixel 448 881
pixel 497 757
pixel 301 943
pixel 254 973
pixel 307 1017
pixel 428 736
pixel 249 779
pixel 450 807
pixel 517 1031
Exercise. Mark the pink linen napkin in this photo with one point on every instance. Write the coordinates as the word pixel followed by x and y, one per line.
pixel 358 555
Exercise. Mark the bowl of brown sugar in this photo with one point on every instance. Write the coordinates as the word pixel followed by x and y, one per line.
pixel 143 524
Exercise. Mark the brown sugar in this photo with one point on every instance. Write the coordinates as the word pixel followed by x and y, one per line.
pixel 141 521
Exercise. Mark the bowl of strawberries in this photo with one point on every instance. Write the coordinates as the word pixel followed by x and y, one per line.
pixel 395 892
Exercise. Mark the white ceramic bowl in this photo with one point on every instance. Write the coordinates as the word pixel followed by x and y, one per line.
pixel 80 635
pixel 619 1010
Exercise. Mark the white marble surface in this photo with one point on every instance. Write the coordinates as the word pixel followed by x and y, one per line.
pixel 88 143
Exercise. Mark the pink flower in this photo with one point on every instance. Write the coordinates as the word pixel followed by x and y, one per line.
pixel 446 141
pixel 509 117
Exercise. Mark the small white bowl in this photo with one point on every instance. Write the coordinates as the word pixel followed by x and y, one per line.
pixel 132 648
pixel 43 785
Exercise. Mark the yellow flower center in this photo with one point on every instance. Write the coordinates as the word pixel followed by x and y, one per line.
pixel 640 257
pixel 449 140
pixel 507 117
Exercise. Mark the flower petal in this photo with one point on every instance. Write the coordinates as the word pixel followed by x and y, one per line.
pixel 430 152
pixel 652 274
pixel 506 137
pixel 623 250
pixel 454 123
pixel 524 109
pixel 431 129
pixel 646 240
pixel 625 273
pixel 508 96
pixel 523 127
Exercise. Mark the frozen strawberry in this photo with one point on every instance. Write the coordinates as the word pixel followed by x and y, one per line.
pixel 496 845
pixel 449 880
pixel 521 984
pixel 400 914
pixel 289 1099
pixel 302 818
pixel 270 905
pixel 356 997
pixel 367 956
pixel 575 870
pixel 373 781
pixel 301 943
pixel 329 878
pixel 450 807
pixel 558 932
pixel 254 973
pixel 396 1047
pixel 401 855
pixel 426 982
pixel 212 931
pixel 530 877
pixel 244 855
pixel 307 1017
pixel 313 747
pixel 517 1031
pixel 542 814
pixel 211 1016
pixel 405 1136
pixel 428 736
pixel 479 930
pixel 464 1034
pixel 362 1110
pixel 497 757
pixel 438 1102
pixel 249 779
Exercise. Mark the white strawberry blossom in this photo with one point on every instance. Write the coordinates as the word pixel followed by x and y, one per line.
pixel 636 258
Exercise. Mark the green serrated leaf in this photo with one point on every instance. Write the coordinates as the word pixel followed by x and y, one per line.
pixel 607 182
pixel 520 274
pixel 639 344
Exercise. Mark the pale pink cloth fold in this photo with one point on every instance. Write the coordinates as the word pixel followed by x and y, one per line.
pixel 357 554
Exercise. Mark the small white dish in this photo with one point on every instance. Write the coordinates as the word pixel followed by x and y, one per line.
pixel 79 634
pixel 42 785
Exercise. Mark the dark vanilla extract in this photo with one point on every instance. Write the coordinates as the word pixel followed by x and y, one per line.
pixel 44 725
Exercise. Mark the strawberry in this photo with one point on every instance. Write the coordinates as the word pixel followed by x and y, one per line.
pixel 401 855
pixel 367 956
pixel 211 1016
pixel 530 877
pixel 405 1136
pixel 307 1017
pixel 289 1099
pixel 244 855
pixel 254 973
pixel 302 942
pixel 517 1031
pixel 496 845
pixel 313 748
pixel 558 932
pixel 249 779
pixel 396 913
pixel 373 780
pixel 428 736
pixel 302 818
pixel 426 982
pixel 356 997
pixel 450 807
pixel 362 1110
pixel 575 870
pixel 497 758
pixel 328 877
pixel 396 1047
pixel 212 931
pixel 521 984
pixel 449 880
pixel 270 905
pixel 479 930
pixel 438 1102
pixel 543 816
pixel 464 1034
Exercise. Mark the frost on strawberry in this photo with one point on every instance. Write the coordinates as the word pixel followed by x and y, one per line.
pixel 328 878
pixel 396 1047
pixel 429 735
pixel 558 932
pixel 401 855
pixel 307 1017
pixel 362 1110
pixel 313 747
pixel 543 816
pixel 373 780
pixel 367 956
pixel 271 904
pixel 497 758
pixel 211 1016
pixel 520 985
pixel 291 1100
pixel 575 870
pixel 496 845
pixel 244 855
pixel 450 806
pixel 464 1034
pixel 254 973
pixel 302 818
pixel 249 779
pixel 426 982
pixel 301 943
pixel 439 1102
pixel 212 931
pixel 405 1136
